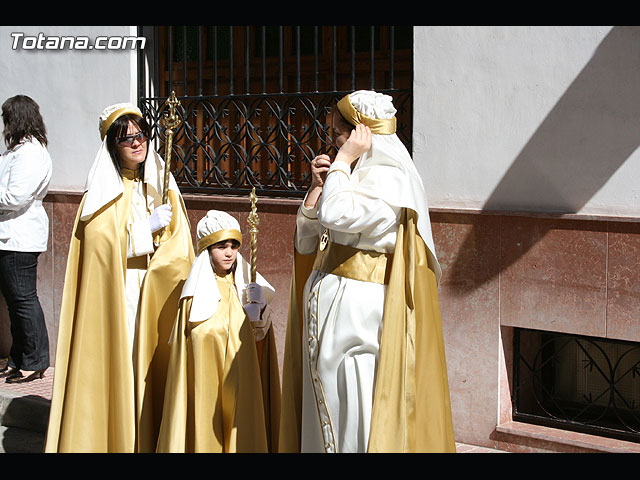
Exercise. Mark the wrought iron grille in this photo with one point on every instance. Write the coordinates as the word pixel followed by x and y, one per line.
pixel 579 383
pixel 256 101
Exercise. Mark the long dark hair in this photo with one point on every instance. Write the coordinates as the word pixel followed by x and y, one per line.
pixel 119 129
pixel 22 120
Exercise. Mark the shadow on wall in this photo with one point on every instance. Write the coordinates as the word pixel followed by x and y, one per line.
pixel 585 138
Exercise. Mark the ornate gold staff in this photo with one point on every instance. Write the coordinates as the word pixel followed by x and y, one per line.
pixel 169 122
pixel 253 220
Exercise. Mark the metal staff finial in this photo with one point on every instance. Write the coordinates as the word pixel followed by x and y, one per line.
pixel 169 122
pixel 253 220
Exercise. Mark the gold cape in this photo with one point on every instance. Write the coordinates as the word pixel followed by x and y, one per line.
pixel 100 403
pixel 411 405
pixel 220 398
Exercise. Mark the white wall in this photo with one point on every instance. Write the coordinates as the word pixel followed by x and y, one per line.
pixel 543 118
pixel 529 118
pixel 72 87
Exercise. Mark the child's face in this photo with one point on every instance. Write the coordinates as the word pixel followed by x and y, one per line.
pixel 222 256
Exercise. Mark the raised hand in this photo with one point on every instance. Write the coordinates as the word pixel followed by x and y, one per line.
pixel 319 167
pixel 358 143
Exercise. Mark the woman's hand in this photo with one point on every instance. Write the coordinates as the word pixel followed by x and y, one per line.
pixel 319 168
pixel 358 143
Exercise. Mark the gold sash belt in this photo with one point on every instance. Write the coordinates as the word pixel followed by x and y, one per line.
pixel 350 262
pixel 141 262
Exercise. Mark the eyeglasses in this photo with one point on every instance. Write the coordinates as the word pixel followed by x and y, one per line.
pixel 128 140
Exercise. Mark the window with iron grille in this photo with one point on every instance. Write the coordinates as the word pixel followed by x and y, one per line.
pixel 578 383
pixel 256 100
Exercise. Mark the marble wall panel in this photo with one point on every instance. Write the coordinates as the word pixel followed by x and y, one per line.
pixel 623 296
pixel 553 275
pixel 65 209
pixel 469 303
pixel 46 277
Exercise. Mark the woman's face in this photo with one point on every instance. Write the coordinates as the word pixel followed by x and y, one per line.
pixel 131 148
pixel 341 130
pixel 222 256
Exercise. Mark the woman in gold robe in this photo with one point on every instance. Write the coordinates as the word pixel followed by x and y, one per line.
pixel 128 259
pixel 223 385
pixel 364 367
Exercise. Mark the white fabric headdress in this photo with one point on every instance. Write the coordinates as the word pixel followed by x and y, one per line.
pixel 402 185
pixel 216 226
pixel 201 283
pixel 104 183
pixel 214 221
pixel 112 113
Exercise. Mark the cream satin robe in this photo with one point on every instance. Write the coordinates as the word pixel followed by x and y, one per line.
pixel 342 318
pixel 106 397
pixel 139 245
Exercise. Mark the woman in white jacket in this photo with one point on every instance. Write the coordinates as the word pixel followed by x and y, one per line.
pixel 25 171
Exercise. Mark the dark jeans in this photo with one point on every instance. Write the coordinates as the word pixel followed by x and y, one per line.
pixel 18 275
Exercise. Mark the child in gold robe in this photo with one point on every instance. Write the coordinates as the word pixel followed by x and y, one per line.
pixel 223 388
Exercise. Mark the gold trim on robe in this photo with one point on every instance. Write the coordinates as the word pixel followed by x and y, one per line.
pixel 291 418
pixel 411 406
pixel 103 400
pixel 220 398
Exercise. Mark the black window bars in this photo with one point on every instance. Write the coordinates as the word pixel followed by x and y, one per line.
pixel 579 383
pixel 256 100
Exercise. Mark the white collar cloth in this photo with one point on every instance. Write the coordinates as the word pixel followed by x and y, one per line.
pixel 202 285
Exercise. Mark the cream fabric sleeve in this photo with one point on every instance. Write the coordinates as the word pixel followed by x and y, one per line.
pixel 343 209
pixel 260 319
pixel 140 240
pixel 307 229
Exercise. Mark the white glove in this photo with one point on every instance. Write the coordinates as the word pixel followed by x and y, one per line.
pixel 253 294
pixel 255 306
pixel 260 320
pixel 160 217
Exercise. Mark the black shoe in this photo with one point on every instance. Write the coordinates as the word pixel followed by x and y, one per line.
pixel 19 378
pixel 8 371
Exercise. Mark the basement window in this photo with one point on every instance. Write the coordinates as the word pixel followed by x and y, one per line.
pixel 585 384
